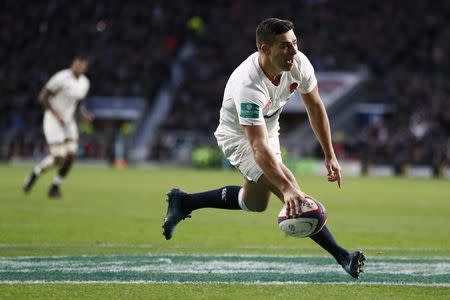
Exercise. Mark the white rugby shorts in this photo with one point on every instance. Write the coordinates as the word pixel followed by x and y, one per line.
pixel 240 154
pixel 57 135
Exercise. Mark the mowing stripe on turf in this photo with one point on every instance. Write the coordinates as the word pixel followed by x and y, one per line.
pixel 249 269
pixel 41 282
pixel 150 246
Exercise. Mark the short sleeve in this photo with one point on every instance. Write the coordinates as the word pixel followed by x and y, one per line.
pixel 86 89
pixel 305 74
pixel 249 106
pixel 55 83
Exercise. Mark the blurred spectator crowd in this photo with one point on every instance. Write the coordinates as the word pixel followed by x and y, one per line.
pixel 132 44
pixel 129 44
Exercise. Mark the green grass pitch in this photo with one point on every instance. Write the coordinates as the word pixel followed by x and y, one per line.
pixel 107 212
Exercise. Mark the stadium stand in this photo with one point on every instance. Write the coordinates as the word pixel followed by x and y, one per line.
pixel 132 44
pixel 409 72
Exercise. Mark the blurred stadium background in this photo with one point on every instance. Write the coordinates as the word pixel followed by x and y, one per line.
pixel 158 69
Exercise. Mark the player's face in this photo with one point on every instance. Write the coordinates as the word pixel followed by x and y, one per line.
pixel 79 66
pixel 283 50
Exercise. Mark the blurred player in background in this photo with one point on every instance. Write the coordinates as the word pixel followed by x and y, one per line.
pixel 61 98
pixel 248 136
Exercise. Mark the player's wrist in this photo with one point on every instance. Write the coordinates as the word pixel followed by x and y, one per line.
pixel 330 156
pixel 286 187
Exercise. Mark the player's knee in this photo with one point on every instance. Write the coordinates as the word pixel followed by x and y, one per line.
pixel 71 147
pixel 59 159
pixel 252 205
pixel 58 151
pixel 260 207
pixel 70 157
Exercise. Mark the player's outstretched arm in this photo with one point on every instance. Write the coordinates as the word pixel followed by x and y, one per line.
pixel 321 126
pixel 273 171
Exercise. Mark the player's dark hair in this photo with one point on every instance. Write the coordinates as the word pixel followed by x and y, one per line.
pixel 80 56
pixel 269 28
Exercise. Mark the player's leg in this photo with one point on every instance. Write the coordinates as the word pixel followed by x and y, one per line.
pixel 257 188
pixel 224 198
pixel 255 196
pixel 323 237
pixel 252 196
pixel 351 262
pixel 54 136
pixel 181 204
pixel 39 169
pixel 70 132
pixel 252 199
pixel 64 168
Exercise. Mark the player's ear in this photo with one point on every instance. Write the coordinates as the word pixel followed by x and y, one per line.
pixel 265 48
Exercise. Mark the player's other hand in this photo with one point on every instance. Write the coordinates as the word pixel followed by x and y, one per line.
pixel 334 170
pixel 293 198
pixel 88 117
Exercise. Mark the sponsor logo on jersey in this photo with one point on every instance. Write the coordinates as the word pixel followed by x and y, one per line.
pixel 249 110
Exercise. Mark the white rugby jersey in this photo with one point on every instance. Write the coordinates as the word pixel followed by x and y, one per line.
pixel 68 90
pixel 250 98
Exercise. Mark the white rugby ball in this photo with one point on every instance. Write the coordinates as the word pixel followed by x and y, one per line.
pixel 310 221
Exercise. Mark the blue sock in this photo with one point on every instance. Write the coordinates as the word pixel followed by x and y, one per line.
pixel 327 242
pixel 225 198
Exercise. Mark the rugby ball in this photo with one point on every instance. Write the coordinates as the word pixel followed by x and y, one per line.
pixel 310 221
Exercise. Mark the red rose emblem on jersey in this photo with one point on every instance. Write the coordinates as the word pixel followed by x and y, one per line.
pixel 268 104
pixel 293 87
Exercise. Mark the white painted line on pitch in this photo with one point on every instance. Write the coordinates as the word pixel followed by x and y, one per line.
pixel 219 266
pixel 252 269
pixel 166 266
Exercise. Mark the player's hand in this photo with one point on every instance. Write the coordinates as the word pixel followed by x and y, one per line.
pixel 59 119
pixel 334 170
pixel 88 117
pixel 293 198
